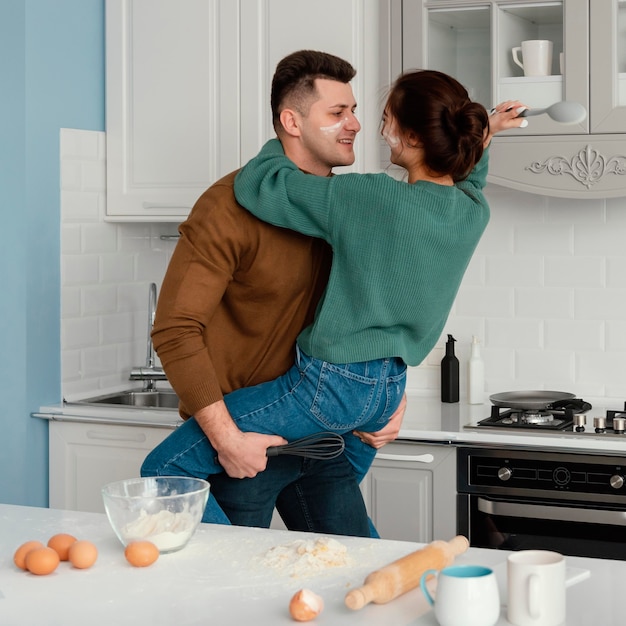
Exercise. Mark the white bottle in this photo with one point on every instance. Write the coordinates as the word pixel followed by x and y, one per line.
pixel 475 375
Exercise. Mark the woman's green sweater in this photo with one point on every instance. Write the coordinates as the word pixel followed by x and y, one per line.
pixel 399 251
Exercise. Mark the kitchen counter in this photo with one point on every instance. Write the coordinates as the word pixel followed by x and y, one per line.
pixel 427 419
pixel 107 414
pixel 220 578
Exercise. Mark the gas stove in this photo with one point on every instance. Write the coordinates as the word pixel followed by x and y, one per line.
pixel 558 416
pixel 568 417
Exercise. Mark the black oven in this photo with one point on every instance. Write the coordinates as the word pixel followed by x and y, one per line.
pixel 526 499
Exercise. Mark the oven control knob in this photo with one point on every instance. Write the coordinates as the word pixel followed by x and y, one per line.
pixel 504 473
pixel 617 481
pixel 561 476
pixel 599 424
pixel 580 419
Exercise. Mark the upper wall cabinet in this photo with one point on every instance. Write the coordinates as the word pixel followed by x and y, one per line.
pixel 172 104
pixel 188 90
pixel 479 42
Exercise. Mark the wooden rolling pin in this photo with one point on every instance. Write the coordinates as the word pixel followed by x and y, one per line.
pixel 402 575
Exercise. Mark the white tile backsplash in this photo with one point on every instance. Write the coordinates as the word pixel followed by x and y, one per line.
pixel 545 292
pixel 523 270
pixel 105 272
pixel 575 271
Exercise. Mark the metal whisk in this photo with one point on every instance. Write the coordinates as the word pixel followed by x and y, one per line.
pixel 325 445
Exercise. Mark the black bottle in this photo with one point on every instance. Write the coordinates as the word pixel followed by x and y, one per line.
pixel 450 373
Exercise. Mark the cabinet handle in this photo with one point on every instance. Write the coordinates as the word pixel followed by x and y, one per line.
pixel 164 206
pixel 93 434
pixel 419 458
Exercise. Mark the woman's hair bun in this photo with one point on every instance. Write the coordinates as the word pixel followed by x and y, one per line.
pixel 436 108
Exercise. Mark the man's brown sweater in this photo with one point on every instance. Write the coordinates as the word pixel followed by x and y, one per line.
pixel 236 294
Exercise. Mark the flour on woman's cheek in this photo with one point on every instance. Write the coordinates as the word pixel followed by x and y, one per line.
pixel 392 140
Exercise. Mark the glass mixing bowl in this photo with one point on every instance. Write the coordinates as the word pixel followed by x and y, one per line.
pixel 165 510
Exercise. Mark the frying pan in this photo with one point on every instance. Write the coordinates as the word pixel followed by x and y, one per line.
pixel 537 400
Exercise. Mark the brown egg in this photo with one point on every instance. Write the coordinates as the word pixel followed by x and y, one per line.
pixel 305 605
pixel 42 561
pixel 61 543
pixel 141 553
pixel 82 554
pixel 19 558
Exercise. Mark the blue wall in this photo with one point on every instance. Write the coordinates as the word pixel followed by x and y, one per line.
pixel 51 77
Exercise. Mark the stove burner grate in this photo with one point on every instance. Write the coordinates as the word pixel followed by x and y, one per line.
pixel 561 419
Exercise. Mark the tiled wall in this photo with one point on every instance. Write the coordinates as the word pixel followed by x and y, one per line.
pixel 106 269
pixel 545 291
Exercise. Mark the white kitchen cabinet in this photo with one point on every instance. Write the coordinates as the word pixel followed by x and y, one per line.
pixel 85 456
pixel 172 103
pixel 473 39
pixel 188 90
pixel 410 492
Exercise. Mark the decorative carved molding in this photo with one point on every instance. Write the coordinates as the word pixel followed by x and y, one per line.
pixel 587 167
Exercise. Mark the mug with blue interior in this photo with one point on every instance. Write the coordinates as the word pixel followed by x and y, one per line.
pixel 466 595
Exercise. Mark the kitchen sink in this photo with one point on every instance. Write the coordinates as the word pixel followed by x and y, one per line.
pixel 158 399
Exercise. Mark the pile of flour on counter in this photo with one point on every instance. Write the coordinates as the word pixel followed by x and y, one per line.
pixel 164 529
pixel 307 556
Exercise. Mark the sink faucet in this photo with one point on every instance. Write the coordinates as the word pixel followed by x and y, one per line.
pixel 149 373
pixel 152 302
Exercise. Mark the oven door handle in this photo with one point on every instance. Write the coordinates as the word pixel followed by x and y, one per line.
pixel 558 513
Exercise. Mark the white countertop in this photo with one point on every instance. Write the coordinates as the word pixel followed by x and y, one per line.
pixel 427 419
pixel 71 412
pixel 219 579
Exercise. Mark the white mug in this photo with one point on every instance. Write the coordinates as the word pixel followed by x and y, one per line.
pixel 536 55
pixel 536 588
pixel 467 595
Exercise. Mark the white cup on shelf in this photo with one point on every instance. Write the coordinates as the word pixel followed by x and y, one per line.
pixel 536 57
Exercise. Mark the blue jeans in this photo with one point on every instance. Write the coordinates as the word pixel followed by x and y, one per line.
pixel 311 495
pixel 312 396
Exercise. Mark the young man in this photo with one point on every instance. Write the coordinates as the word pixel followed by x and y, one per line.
pixel 235 296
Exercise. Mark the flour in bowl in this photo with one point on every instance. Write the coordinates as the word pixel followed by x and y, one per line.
pixel 307 556
pixel 166 530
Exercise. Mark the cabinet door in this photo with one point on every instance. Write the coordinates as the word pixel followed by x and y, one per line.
pixel 474 42
pixel 411 492
pixel 86 456
pixel 401 502
pixel 608 66
pixel 172 103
